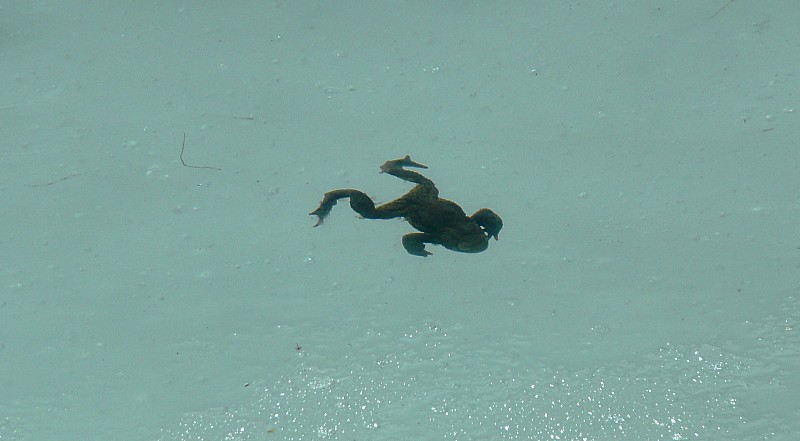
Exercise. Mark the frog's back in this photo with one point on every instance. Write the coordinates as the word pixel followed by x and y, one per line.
pixel 434 217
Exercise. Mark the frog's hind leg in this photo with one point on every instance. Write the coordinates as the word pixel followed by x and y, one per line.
pixel 359 202
pixel 395 168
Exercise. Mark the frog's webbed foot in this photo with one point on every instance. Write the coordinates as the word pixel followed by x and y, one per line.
pixel 324 209
pixel 395 168
pixel 414 243
pixel 398 164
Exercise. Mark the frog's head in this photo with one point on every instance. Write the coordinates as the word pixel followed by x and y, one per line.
pixel 489 221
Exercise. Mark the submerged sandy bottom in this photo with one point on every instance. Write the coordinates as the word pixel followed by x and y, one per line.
pixel 428 383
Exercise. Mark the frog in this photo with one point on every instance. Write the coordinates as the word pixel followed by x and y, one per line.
pixel 439 221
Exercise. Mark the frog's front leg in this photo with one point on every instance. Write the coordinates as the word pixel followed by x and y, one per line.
pixel 414 243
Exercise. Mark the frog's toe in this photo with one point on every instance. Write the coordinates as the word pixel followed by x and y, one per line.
pixel 396 164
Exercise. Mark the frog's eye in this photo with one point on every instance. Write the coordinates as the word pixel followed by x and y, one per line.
pixel 488 221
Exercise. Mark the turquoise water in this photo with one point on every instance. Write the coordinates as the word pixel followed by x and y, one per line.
pixel 642 155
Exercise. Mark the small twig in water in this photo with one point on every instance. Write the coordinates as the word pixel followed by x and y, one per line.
pixel 183 147
pixel 52 182
pixel 721 9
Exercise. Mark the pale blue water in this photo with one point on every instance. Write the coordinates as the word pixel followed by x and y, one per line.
pixel 643 156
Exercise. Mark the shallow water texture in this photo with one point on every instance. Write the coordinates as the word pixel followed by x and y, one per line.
pixel 161 278
pixel 434 387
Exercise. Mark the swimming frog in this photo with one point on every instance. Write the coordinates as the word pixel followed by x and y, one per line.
pixel 440 222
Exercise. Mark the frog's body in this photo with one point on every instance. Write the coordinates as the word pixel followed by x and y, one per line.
pixel 440 222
